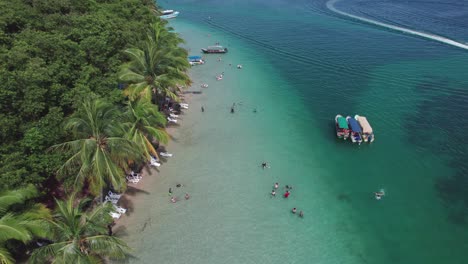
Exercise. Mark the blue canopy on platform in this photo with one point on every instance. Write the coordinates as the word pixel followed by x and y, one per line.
pixel 354 125
pixel 194 57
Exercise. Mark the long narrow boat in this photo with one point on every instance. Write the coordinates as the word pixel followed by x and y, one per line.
pixel 215 49
pixel 355 130
pixel 341 125
pixel 367 133
pixel 168 14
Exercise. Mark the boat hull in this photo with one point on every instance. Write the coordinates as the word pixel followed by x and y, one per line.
pixel 366 136
pixel 355 136
pixel 169 16
pixel 214 51
pixel 340 133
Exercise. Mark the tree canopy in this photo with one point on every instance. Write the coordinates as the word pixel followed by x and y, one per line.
pixel 53 54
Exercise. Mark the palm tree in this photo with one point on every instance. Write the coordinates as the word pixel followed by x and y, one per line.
pixel 80 237
pixel 99 153
pixel 145 124
pixel 158 68
pixel 20 224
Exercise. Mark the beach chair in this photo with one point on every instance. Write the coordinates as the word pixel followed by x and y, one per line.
pixel 119 209
pixel 112 200
pixel 172 120
pixel 155 163
pixel 165 154
pixel 115 215
pixel 114 195
pixel 173 115
pixel 132 180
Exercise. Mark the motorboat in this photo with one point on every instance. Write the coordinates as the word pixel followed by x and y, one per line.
pixel 342 128
pixel 356 131
pixel 168 14
pixel 195 60
pixel 215 49
pixel 367 133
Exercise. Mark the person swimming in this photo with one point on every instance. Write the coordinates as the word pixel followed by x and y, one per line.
pixel 264 165
pixel 187 196
pixel 276 185
pixel 173 199
pixel 232 110
pixel 255 110
pixel 379 195
pixel 294 210
pixel 301 214
pixel 202 109
pixel 178 185
pixel 273 193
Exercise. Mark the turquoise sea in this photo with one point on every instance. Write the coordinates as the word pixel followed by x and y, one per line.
pixel 302 65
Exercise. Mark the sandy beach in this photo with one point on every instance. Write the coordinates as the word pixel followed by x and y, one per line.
pixel 135 193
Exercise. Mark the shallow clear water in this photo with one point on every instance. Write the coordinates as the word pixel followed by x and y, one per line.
pixel 303 65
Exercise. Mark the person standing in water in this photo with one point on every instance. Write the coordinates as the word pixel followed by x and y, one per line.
pixel 286 194
pixel 170 191
pixel 301 214
pixel 187 196
pixel 202 109
pixel 273 193
pixel 276 185
pixel 294 210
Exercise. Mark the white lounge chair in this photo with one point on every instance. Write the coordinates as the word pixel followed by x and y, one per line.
pixel 155 163
pixel 119 209
pixel 134 181
pixel 114 195
pixel 173 115
pixel 112 200
pixel 172 120
pixel 115 215
pixel 165 154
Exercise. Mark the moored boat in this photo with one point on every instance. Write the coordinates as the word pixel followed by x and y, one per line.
pixel 215 49
pixel 342 128
pixel 367 132
pixel 195 60
pixel 355 130
pixel 168 14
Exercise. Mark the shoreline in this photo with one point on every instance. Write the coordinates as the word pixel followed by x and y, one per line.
pixel 134 194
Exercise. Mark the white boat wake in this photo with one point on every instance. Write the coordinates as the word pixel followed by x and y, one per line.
pixel 331 6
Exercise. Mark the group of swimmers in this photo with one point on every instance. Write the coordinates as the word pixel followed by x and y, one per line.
pixel 286 194
pixel 173 198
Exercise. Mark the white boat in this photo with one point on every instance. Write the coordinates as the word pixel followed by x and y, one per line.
pixel 168 14
pixel 367 132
